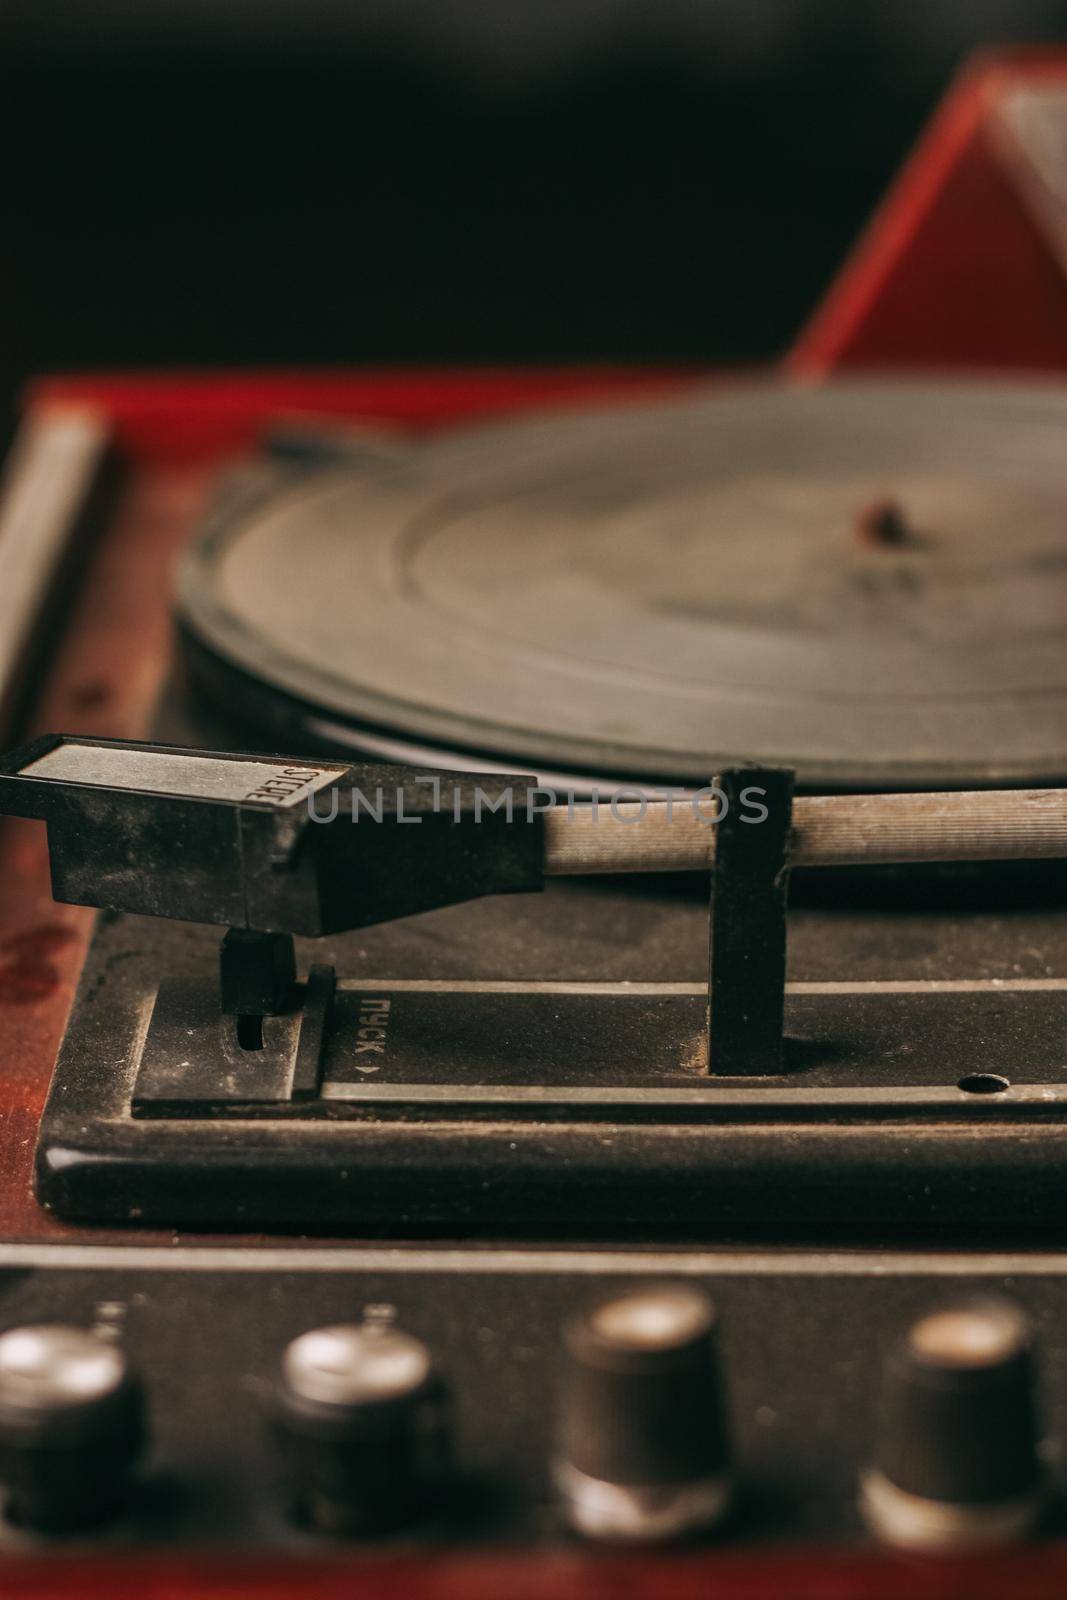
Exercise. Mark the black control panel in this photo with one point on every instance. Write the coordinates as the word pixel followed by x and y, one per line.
pixel 295 1395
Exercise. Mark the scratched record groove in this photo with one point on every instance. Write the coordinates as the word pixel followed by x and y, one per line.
pixel 866 581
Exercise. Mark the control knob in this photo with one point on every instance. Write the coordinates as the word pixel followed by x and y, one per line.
pixel 71 1426
pixel 642 1450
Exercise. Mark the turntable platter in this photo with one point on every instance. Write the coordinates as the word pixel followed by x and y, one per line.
pixel 865 581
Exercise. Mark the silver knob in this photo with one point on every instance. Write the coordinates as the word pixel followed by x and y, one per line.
pixel 71 1425
pixel 360 1418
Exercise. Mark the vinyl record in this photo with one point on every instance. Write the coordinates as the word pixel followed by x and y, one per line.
pixel 864 581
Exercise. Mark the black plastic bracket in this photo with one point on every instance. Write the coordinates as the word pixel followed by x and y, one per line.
pixel 749 889
pixel 257 972
pixel 195 1059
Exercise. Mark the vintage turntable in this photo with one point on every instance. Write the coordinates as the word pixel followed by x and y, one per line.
pixel 862 584
pixel 403 856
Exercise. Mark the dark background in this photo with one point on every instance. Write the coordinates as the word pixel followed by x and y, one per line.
pixel 194 181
